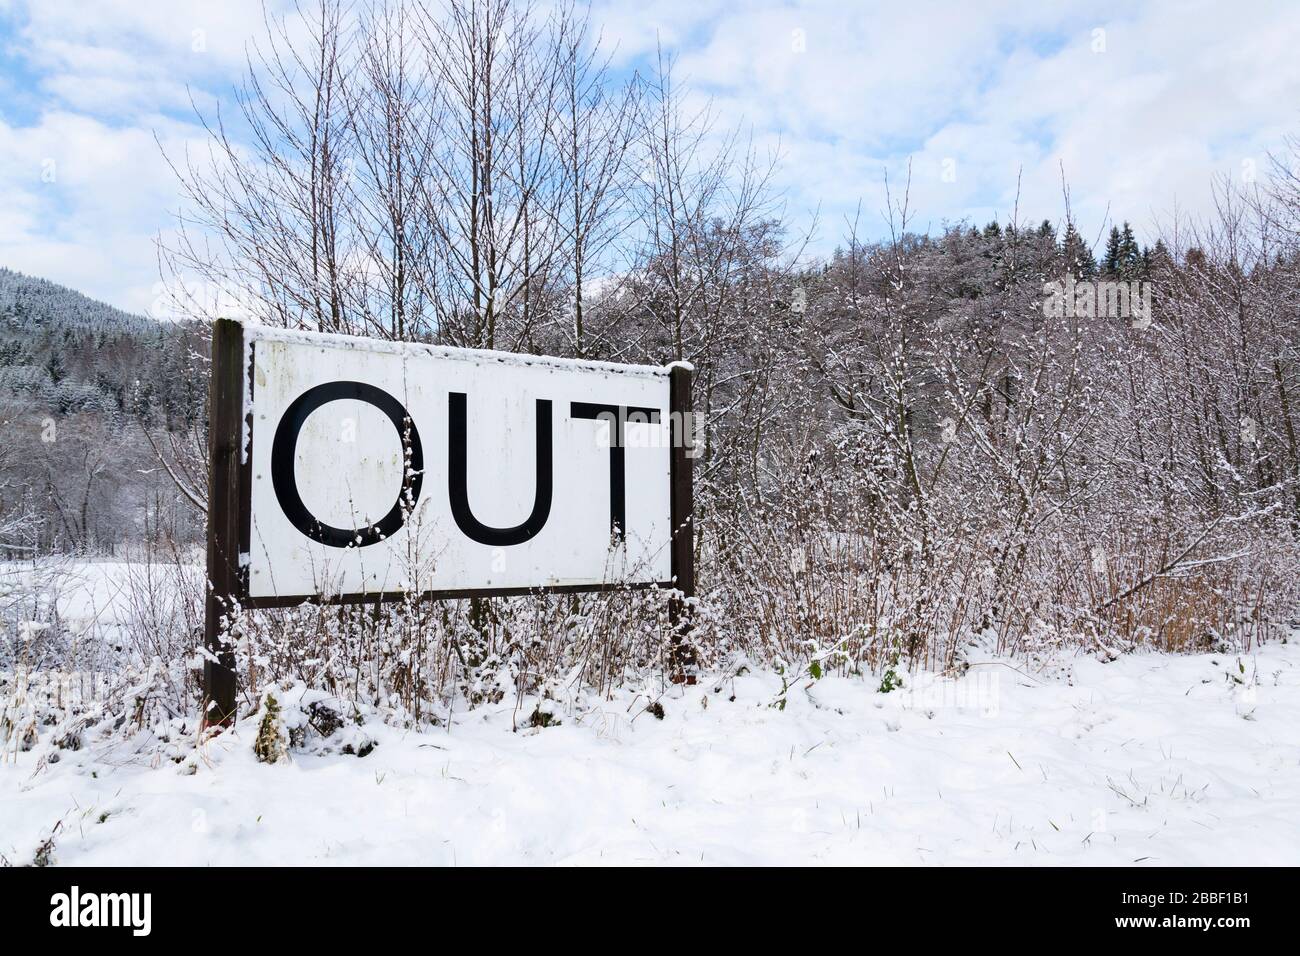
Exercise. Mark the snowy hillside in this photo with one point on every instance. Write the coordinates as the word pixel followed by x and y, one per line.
pixel 1149 759
pixel 87 392
pixel 65 352
pixel 28 301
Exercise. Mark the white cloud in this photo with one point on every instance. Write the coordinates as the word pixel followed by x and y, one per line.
pixel 84 201
pixel 87 188
pixel 1180 92
pixel 988 91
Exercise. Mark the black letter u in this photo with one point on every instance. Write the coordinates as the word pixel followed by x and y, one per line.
pixel 458 484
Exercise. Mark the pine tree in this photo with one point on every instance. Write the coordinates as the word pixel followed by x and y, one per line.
pixel 1110 263
pixel 55 366
pixel 1159 257
pixel 1078 258
pixel 1129 265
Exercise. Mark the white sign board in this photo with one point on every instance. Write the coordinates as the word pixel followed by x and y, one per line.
pixel 383 468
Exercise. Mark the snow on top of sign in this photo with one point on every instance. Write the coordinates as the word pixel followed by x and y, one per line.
pixel 265 333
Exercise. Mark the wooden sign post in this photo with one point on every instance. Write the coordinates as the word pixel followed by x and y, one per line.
pixel 225 507
pixel 681 660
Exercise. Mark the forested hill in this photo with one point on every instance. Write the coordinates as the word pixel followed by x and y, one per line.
pixel 65 353
pixel 27 301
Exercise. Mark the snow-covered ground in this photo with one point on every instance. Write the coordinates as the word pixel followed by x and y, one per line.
pixel 1145 760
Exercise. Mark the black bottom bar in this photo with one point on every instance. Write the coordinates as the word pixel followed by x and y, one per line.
pixel 311 906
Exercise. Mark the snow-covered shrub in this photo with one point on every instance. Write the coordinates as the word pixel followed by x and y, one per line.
pixel 299 720
pixel 270 744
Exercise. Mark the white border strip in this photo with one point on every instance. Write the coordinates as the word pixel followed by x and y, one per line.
pixel 266 333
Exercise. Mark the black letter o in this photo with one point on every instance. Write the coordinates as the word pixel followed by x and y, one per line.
pixel 285 446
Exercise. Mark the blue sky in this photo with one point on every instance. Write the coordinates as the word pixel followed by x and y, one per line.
pixel 1143 104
